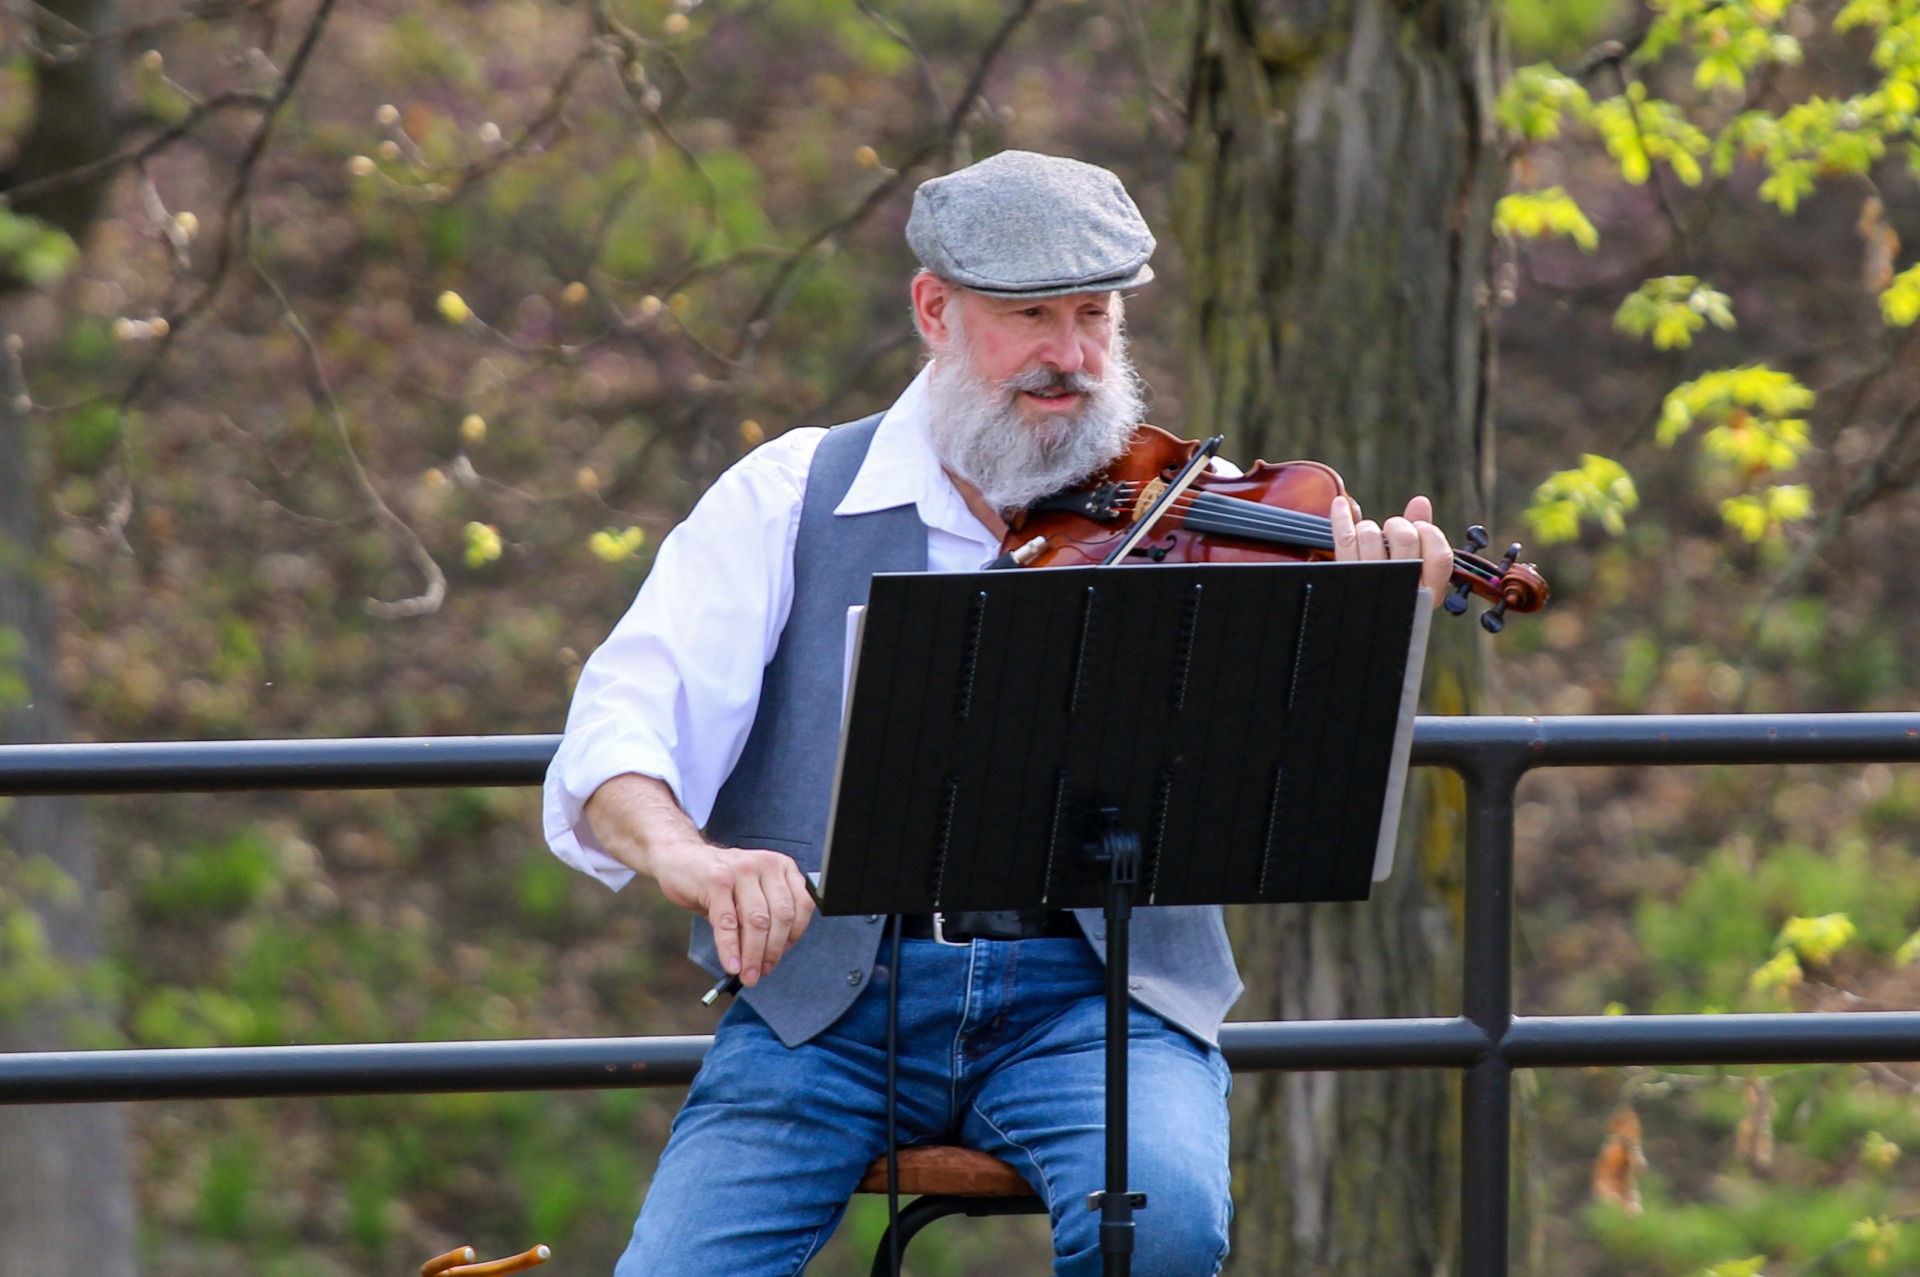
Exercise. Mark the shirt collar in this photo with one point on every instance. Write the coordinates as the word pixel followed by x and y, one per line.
pixel 901 468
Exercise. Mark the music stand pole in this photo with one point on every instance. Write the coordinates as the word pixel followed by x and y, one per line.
pixel 1117 850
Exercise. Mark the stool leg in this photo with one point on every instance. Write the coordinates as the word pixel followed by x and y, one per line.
pixel 921 1211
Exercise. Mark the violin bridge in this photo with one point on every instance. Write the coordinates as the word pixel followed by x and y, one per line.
pixel 1149 493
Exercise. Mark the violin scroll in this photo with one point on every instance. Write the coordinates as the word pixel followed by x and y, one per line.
pixel 1508 584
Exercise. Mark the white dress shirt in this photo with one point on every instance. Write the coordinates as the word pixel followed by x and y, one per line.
pixel 673 691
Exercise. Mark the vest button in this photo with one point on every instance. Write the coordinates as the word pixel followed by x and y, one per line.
pixel 855 976
pixel 873 917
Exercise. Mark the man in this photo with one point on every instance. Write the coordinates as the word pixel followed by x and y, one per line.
pixel 715 705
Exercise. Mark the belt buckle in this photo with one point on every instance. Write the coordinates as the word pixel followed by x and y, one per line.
pixel 940 932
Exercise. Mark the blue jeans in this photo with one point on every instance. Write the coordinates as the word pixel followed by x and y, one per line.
pixel 1001 1049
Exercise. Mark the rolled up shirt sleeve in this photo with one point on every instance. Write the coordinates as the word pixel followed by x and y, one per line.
pixel 673 691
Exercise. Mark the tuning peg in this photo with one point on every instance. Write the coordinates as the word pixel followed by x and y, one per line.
pixel 1512 557
pixel 1476 540
pixel 1456 602
pixel 1494 619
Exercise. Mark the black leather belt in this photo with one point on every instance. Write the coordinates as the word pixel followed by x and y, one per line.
pixel 1009 924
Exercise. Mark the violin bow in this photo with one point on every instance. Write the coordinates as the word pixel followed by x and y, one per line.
pixel 1184 480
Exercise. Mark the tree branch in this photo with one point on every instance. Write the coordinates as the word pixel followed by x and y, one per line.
pixel 80 41
pixel 435 593
pixel 549 115
pixel 1659 183
pixel 754 328
pixel 14 195
pixel 1887 473
pixel 622 47
pixel 235 216
pixel 1169 113
pixel 923 69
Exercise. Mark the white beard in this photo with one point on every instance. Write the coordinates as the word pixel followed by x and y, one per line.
pixel 980 433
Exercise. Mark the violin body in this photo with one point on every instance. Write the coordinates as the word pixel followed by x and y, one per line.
pixel 1273 513
pixel 1079 534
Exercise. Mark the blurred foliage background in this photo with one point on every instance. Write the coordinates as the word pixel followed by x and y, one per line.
pixel 374 433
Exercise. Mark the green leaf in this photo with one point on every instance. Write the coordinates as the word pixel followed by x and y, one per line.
pixel 1879 1152
pixel 34 251
pixel 1740 396
pixel 1599 488
pixel 1778 973
pixel 1533 101
pixel 482 544
pixel 1538 214
pixel 1638 130
pixel 1748 1267
pixel 1900 301
pixel 1816 940
pixel 1672 309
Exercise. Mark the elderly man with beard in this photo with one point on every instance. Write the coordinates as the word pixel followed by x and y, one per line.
pixel 699 749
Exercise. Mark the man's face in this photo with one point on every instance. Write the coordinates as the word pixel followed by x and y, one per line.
pixel 1028 396
pixel 1054 335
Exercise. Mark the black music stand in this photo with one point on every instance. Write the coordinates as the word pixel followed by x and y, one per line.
pixel 1082 737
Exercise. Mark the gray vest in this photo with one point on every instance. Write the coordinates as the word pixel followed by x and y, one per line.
pixel 778 793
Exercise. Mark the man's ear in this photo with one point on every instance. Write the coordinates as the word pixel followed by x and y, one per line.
pixel 931 298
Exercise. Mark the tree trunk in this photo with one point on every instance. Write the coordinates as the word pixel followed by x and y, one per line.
pixel 1335 207
pixel 66 1204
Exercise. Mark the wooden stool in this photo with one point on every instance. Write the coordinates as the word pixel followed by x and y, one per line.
pixel 947 1181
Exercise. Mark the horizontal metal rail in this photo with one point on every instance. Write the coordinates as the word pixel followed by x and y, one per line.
pixel 221 766
pixel 559 1064
pixel 1487 1042
pixel 424 762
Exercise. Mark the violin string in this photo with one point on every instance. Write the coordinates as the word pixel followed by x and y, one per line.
pixel 1255 515
pixel 1203 519
pixel 1294 519
pixel 1207 513
pixel 1228 515
pixel 1312 527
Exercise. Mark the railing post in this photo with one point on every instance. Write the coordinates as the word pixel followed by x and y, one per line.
pixel 1486 1088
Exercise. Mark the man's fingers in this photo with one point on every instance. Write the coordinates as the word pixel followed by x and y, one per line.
pixel 1345 547
pixel 780 906
pixel 724 914
pixel 1436 559
pixel 1408 536
pixel 757 903
pixel 1403 539
pixel 802 903
pixel 755 920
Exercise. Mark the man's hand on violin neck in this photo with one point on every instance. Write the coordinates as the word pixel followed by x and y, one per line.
pixel 757 900
pixel 1404 536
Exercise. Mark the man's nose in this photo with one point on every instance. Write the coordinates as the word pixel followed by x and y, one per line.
pixel 1064 351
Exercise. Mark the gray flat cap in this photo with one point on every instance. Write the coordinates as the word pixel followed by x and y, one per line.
pixel 1024 225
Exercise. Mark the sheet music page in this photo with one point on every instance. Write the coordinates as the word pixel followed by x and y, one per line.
pixel 1403 736
pixel 856 616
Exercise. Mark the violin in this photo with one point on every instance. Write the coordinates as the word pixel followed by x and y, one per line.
pixel 1160 503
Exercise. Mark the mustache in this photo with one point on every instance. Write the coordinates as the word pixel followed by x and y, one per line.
pixel 1042 381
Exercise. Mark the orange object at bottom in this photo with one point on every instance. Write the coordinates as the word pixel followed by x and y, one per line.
pixel 464 1263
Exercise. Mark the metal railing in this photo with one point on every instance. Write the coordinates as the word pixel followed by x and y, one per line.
pixel 1487 1041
